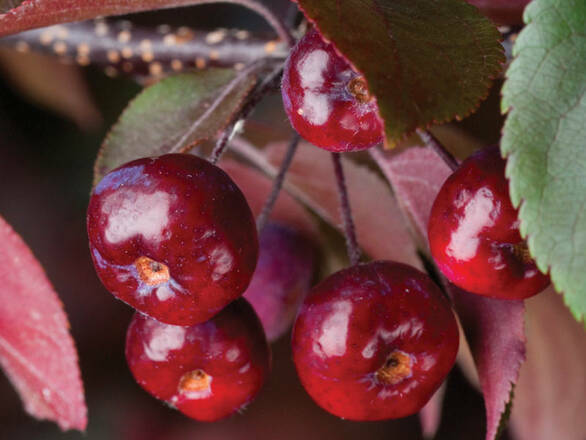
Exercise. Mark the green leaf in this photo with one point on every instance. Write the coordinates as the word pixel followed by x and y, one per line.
pixel 425 61
pixel 173 114
pixel 543 139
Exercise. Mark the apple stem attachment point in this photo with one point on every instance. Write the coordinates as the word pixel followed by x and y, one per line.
pixel 358 88
pixel 434 144
pixel 151 272
pixel 278 183
pixel 396 367
pixel 521 251
pixel 349 229
pixel 196 380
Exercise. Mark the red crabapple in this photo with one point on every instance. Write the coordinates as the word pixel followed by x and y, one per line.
pixel 173 237
pixel 327 102
pixel 207 371
pixel 374 341
pixel 474 232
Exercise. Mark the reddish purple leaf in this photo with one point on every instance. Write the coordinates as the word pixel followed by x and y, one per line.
pixel 256 188
pixel 550 395
pixel 36 349
pixel 311 180
pixel 38 13
pixel 416 175
pixel 493 328
pixel 431 414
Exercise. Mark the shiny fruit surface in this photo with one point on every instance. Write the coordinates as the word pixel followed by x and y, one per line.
pixel 474 232
pixel 173 237
pixel 207 371
pixel 327 102
pixel 374 341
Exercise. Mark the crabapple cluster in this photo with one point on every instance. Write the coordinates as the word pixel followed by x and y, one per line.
pixel 174 237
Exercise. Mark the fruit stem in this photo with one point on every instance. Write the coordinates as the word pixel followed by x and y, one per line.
pixel 433 143
pixel 277 183
pixel 222 142
pixel 270 82
pixel 349 230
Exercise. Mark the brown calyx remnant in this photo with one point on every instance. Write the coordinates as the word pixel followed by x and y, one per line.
pixel 151 272
pixel 196 380
pixel 396 368
pixel 521 251
pixel 358 88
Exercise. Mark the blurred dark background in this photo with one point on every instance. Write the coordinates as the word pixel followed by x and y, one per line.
pixel 45 178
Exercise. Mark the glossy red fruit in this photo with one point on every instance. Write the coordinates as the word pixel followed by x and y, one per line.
pixel 327 102
pixel 374 341
pixel 508 12
pixel 474 232
pixel 207 371
pixel 173 237
pixel 283 275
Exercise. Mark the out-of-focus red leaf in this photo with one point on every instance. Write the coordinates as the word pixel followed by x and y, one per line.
pixel 256 188
pixel 416 176
pixel 493 328
pixel 38 13
pixel 550 395
pixel 61 87
pixel 431 414
pixel 36 349
pixel 380 228
pixel 502 11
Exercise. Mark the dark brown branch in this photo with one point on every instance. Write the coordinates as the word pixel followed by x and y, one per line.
pixel 123 49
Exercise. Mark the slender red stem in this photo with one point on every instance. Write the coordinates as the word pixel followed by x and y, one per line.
pixel 277 183
pixel 432 142
pixel 348 222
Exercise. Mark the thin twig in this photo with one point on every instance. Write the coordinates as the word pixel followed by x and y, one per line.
pixel 223 141
pixel 275 22
pixel 349 230
pixel 270 83
pixel 277 183
pixel 432 142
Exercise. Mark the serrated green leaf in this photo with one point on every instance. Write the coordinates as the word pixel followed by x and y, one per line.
pixel 425 61
pixel 544 138
pixel 173 114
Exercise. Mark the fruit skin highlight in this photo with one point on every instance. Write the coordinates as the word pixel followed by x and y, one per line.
pixel 374 341
pixel 327 102
pixel 173 237
pixel 474 233
pixel 207 371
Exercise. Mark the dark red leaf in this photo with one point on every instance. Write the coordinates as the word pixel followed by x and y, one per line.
pixel 36 349
pixel 38 13
pixel 550 395
pixel 416 175
pixel 494 329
